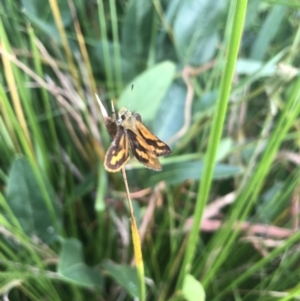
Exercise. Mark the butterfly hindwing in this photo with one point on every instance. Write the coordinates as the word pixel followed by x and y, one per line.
pixel 118 153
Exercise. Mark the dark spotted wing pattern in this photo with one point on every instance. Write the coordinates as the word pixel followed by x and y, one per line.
pixel 118 153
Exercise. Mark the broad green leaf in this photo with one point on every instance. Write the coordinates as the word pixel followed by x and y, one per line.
pixel 126 276
pixel 27 202
pixel 267 32
pixel 179 172
pixel 192 289
pixel 196 29
pixel 72 268
pixel 170 116
pixel 149 89
pixel 252 14
pixel 225 147
pixel 249 67
pixel 257 69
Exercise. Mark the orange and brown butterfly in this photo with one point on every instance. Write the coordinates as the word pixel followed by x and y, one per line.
pixel 132 136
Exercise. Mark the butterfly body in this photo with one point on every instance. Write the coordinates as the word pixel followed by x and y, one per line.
pixel 132 135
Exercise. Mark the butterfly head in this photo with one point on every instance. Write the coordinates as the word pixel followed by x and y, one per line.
pixel 123 115
pixel 128 120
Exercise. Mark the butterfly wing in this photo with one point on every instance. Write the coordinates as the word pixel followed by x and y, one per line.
pixel 140 149
pixel 118 153
pixel 158 147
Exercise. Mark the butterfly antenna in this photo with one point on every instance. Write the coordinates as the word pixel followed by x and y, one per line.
pixel 132 86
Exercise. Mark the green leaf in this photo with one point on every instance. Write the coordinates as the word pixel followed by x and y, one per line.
pixel 136 31
pixel 72 268
pixel 179 172
pixel 205 105
pixel 196 30
pixel 81 189
pixel 267 32
pixel 97 54
pixel 252 14
pixel 41 15
pixel 27 202
pixel 126 276
pixel 225 147
pixel 192 289
pixel 165 46
pixel 249 67
pixel 171 108
pixel 149 89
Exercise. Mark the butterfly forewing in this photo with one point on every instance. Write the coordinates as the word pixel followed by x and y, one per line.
pixel 118 153
pixel 140 150
pixel 158 147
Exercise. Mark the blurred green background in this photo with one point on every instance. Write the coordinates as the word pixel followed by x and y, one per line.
pixel 231 120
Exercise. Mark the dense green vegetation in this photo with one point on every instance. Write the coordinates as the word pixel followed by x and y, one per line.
pixel 218 81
